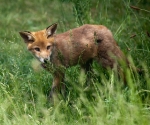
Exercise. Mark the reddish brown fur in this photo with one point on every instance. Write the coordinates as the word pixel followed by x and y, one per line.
pixel 77 46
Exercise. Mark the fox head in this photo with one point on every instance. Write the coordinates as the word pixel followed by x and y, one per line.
pixel 40 43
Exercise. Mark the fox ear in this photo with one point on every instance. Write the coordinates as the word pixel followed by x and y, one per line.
pixel 27 36
pixel 51 30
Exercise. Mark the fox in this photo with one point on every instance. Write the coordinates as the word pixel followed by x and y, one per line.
pixel 81 45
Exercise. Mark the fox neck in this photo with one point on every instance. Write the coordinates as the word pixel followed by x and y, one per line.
pixel 53 54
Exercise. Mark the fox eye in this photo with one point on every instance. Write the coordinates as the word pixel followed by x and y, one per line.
pixel 37 49
pixel 48 47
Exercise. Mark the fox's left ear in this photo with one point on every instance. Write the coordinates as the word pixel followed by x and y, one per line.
pixel 51 30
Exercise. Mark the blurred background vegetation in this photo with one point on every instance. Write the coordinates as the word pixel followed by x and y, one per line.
pixel 24 85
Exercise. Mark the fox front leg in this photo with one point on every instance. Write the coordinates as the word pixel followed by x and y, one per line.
pixel 57 86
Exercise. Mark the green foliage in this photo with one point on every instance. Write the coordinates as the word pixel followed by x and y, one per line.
pixel 24 86
pixel 82 11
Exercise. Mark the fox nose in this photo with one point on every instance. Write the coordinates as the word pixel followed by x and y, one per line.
pixel 45 60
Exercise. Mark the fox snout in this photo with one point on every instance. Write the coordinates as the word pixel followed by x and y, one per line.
pixel 42 56
pixel 44 59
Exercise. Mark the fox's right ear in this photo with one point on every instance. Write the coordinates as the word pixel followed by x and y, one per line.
pixel 27 36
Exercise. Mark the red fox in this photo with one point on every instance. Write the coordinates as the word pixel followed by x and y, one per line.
pixel 80 46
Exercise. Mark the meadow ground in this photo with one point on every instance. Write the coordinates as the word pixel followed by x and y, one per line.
pixel 24 85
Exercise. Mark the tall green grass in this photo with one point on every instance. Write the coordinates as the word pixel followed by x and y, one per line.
pixel 24 86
